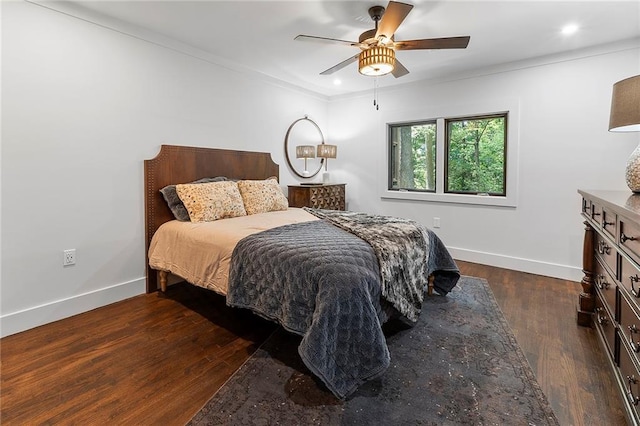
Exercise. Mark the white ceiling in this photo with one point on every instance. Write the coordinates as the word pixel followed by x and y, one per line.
pixel 259 35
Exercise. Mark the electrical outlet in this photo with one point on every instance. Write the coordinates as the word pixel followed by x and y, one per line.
pixel 69 257
pixel 436 222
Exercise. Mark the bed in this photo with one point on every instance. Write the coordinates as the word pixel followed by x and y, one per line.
pixel 332 277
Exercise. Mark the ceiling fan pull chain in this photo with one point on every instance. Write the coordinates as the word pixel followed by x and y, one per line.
pixel 374 92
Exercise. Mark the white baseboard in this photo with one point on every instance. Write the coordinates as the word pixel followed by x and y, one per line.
pixel 547 269
pixel 26 319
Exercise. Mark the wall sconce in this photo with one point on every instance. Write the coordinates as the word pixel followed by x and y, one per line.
pixel 327 151
pixel 625 117
pixel 305 151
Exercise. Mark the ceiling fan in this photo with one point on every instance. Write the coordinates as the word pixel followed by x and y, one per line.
pixel 377 55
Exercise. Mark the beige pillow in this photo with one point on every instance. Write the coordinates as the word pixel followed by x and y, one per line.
pixel 261 196
pixel 207 202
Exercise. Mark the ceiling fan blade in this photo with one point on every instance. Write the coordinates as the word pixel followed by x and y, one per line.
pixel 303 37
pixel 399 70
pixel 340 65
pixel 433 43
pixel 392 18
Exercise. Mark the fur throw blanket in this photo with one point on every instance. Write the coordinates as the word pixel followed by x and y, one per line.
pixel 405 254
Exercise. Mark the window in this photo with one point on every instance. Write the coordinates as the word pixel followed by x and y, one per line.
pixel 468 156
pixel 413 156
pixel 476 155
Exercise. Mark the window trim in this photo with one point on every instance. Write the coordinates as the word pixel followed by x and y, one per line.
pixel 438 113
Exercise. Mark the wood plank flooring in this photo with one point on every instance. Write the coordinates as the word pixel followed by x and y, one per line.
pixel 156 359
pixel 567 359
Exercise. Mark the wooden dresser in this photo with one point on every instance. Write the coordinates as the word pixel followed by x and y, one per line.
pixel 611 285
pixel 324 196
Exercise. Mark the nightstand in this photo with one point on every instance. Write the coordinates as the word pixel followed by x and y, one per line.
pixel 329 196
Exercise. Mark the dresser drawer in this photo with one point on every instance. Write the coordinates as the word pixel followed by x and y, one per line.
pixel 586 206
pixel 630 378
pixel 610 223
pixel 629 237
pixel 596 212
pixel 607 252
pixel 327 197
pixel 630 328
pixel 605 325
pixel 630 279
pixel 606 286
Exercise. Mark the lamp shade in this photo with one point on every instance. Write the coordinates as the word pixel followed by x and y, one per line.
pixel 625 106
pixel 305 151
pixel 327 151
pixel 377 60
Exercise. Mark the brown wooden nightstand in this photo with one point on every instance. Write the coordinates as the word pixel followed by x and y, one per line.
pixel 328 196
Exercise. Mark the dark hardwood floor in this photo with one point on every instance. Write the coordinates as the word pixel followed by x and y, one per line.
pixel 567 359
pixel 156 359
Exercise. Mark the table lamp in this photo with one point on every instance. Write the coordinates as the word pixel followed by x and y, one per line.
pixel 625 117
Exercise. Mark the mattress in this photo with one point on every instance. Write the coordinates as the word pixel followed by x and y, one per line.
pixel 201 252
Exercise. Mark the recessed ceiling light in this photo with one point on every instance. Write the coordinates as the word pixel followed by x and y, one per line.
pixel 337 82
pixel 570 29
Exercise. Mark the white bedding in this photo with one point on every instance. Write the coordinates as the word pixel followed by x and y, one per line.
pixel 201 252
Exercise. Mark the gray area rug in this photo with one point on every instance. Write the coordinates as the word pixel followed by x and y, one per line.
pixel 460 364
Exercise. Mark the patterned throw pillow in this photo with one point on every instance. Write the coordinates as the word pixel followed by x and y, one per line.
pixel 261 196
pixel 175 203
pixel 207 202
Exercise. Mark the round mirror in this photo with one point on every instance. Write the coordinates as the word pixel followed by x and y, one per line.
pixel 300 142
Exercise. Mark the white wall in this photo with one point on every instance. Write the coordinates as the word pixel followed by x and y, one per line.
pixel 563 145
pixel 82 107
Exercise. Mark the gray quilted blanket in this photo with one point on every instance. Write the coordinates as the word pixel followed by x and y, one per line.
pixel 323 283
pixel 407 253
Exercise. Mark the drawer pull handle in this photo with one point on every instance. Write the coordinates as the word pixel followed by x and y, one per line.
pixel 602 319
pixel 633 400
pixel 634 279
pixel 634 345
pixel 624 238
pixel 601 282
pixel 603 248
pixel 595 214
pixel 605 224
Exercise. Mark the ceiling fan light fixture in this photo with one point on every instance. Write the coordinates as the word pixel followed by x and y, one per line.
pixel 376 61
pixel 378 45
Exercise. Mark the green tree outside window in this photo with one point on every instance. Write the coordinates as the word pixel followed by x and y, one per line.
pixel 476 155
pixel 413 156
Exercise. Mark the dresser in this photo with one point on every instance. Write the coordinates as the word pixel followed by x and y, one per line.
pixel 610 298
pixel 329 196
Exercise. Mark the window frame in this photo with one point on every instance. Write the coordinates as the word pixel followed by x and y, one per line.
pixel 437 112
pixel 390 155
pixel 447 120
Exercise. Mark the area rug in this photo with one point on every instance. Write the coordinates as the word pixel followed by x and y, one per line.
pixel 460 364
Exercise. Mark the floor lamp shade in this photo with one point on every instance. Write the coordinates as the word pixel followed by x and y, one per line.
pixel 625 117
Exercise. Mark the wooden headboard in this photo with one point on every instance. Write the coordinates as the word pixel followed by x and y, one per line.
pixel 183 164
